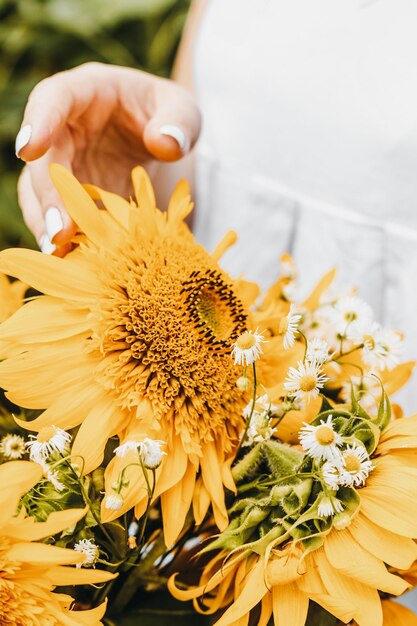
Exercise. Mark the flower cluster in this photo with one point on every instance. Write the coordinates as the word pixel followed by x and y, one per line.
pixel 170 408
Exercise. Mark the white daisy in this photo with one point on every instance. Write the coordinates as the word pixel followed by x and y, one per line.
pixel 263 406
pixel 152 453
pixel 288 326
pixel 349 314
pixel 305 382
pixel 329 506
pixel 322 441
pixel 124 448
pixel 383 349
pixel 247 348
pixel 330 473
pixel 12 447
pixel 113 501
pixel 90 550
pixel 49 440
pixel 259 430
pixel 356 466
pixel 318 350
pixel 53 477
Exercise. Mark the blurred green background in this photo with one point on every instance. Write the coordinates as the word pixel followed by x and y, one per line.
pixel 41 37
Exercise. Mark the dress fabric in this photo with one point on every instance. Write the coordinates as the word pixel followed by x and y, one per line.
pixel 309 145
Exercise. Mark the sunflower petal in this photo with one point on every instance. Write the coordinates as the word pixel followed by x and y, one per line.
pixel 290 605
pixel 50 274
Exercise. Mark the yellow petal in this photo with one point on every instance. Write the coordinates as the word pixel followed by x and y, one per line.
pixel 266 610
pixel 90 617
pixel 31 530
pixel 399 552
pixel 16 478
pixel 212 478
pixel 368 611
pixel 175 504
pixel 252 594
pixel 80 206
pixel 50 274
pixel 42 554
pixel 44 319
pixel 348 557
pixel 313 300
pixel 388 499
pixel 60 575
pixel 111 421
pixel 118 207
pixel 228 240
pixel 397 615
pixel 290 605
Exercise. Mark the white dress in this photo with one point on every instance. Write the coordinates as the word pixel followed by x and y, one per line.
pixel 309 145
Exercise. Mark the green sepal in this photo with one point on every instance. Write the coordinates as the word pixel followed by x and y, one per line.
pixel 384 411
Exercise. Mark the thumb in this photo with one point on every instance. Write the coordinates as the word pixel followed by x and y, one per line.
pixel 175 125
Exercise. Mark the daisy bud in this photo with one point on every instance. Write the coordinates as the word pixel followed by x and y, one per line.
pixel 243 383
pixel 341 521
pixel 114 502
pixel 329 506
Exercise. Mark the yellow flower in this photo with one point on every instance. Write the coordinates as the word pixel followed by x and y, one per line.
pixel 345 573
pixel 11 296
pixel 29 571
pixel 133 338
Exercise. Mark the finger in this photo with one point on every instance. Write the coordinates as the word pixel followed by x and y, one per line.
pixel 175 124
pixel 56 100
pixel 32 215
pixel 57 224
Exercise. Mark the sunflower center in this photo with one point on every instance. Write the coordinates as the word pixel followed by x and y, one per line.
pixel 166 335
pixel 45 434
pixel 214 308
pixel 308 383
pixel 352 463
pixel 325 435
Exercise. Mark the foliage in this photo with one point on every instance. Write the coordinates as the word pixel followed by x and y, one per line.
pixel 41 37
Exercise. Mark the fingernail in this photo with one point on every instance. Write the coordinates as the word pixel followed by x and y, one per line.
pixel 176 133
pixel 46 246
pixel 53 222
pixel 23 138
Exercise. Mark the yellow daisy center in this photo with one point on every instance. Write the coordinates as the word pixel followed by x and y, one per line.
pixel 46 434
pixel 352 463
pixel 368 339
pixel 325 435
pixel 308 383
pixel 246 341
pixel 283 325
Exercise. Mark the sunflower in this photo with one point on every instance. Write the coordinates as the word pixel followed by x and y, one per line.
pixel 11 296
pixel 29 571
pixel 133 338
pixel 279 552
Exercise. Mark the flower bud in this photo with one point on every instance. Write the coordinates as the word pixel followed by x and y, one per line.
pixel 114 501
pixel 243 383
pixel 341 521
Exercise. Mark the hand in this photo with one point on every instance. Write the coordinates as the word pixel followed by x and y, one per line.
pixel 98 121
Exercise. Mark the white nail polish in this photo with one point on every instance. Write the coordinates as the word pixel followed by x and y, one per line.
pixel 176 133
pixel 46 246
pixel 23 138
pixel 53 222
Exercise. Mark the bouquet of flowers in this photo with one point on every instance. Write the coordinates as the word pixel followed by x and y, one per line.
pixel 167 429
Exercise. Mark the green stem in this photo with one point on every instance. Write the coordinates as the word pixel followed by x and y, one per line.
pixel 252 409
